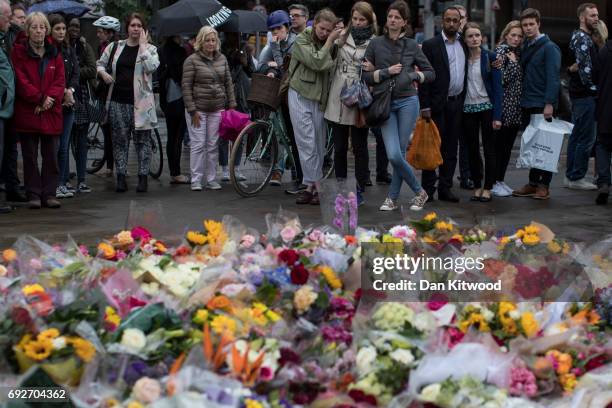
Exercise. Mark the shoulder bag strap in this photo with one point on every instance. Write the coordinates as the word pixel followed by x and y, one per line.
pixel 109 64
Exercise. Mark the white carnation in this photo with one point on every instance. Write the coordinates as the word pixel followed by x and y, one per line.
pixel 365 359
pixel 134 339
pixel 430 393
pixel 59 342
pixel 487 314
pixel 515 314
pixel 402 356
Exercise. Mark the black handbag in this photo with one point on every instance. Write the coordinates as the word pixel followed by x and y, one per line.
pixel 102 88
pixel 380 109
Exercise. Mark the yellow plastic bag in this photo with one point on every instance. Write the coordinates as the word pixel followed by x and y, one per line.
pixel 424 152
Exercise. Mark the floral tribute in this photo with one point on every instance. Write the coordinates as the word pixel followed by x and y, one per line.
pixel 229 317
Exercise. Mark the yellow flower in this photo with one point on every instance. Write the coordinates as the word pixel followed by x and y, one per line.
pixel 331 278
pixel 24 340
pixel 504 317
pixel 531 239
pixel 568 382
pixel 390 239
pixel 83 348
pixel 216 236
pixel 135 404
pixel 32 289
pixel 430 217
pixel 111 403
pixel 531 230
pixel 273 316
pixel 195 238
pixel 554 247
pixel 444 226
pixel 9 255
pixel 458 237
pixel 529 324
pixel 566 248
pixel 111 316
pixel 38 350
pixel 303 298
pixel 250 403
pixel 49 334
pixel 124 238
pixel 520 233
pixel 563 360
pixel 201 316
pixel 107 250
pixel 473 320
pixel 428 240
pixel 222 324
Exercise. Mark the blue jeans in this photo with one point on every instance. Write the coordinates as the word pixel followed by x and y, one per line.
pixel 603 158
pixel 397 134
pixel 63 156
pixel 582 139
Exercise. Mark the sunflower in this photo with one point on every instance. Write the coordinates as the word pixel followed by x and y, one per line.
pixel 430 217
pixel 38 350
pixel 83 348
pixel 223 324
pixel 196 238
pixel 531 239
pixel 330 276
pixel 49 334
pixel 24 340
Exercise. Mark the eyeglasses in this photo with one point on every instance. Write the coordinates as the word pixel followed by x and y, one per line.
pixel 296 15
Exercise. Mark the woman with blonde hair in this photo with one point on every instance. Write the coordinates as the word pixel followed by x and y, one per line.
pixel 38 120
pixel 310 67
pixel 130 101
pixel 352 45
pixel 600 34
pixel 207 91
pixel 512 82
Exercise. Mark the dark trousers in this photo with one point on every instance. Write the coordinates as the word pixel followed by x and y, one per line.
pixel 464 158
pixel 81 131
pixel 174 145
pixel 359 141
pixel 40 183
pixel 225 153
pixel 9 159
pixel 474 125
pixel 382 161
pixel 2 134
pixel 108 146
pixel 536 176
pixel 504 142
pixel 291 136
pixel 603 159
pixel 448 120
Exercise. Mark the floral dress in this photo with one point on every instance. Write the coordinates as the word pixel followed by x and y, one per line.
pixel 512 82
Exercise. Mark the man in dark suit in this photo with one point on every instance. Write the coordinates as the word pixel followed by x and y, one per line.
pixel 442 100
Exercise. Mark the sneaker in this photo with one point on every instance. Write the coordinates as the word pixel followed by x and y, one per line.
pixel 566 182
pixel 276 178
pixel 418 202
pixel 526 191
pixel 499 190
pixel 83 188
pixel 70 188
pixel 240 176
pixel 213 185
pixel 296 189
pixel 581 184
pixel 506 187
pixel 388 205
pixel 196 187
pixel 225 175
pixel 62 192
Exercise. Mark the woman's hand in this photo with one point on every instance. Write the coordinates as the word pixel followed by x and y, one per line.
pixel 272 64
pixel 573 67
pixel 512 56
pixel 195 120
pixel 48 103
pixel 144 38
pixel 106 77
pixel 368 66
pixel 68 98
pixel 497 125
pixel 270 75
pixel 395 69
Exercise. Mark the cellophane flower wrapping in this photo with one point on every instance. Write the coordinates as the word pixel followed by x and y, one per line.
pixel 339 207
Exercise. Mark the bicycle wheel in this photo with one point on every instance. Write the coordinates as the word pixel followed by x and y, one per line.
pixel 254 154
pixel 328 160
pixel 157 155
pixel 95 149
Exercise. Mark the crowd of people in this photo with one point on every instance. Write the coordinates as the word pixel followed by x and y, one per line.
pixel 479 98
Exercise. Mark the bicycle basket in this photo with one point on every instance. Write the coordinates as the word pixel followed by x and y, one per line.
pixel 264 90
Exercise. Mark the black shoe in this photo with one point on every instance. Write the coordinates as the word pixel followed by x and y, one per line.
pixel 121 184
pixel 602 198
pixel 16 197
pixel 296 189
pixel 142 184
pixel 5 208
pixel 447 196
pixel 430 196
pixel 383 179
pixel 368 182
pixel 467 184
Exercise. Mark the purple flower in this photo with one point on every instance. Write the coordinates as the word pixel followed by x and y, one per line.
pixel 336 334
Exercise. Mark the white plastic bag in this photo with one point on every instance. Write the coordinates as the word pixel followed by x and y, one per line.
pixel 541 143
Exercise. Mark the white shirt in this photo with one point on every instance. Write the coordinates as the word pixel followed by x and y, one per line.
pixel 476 90
pixel 456 65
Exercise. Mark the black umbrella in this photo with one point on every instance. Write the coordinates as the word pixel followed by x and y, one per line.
pixel 188 16
pixel 251 21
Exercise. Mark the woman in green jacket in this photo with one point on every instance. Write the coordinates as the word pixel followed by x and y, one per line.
pixel 311 62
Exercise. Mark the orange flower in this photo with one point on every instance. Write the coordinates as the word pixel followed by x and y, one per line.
pixel 107 250
pixel 9 255
pixel 220 302
pixel 350 240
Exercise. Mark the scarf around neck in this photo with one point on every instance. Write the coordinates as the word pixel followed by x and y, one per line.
pixel 361 35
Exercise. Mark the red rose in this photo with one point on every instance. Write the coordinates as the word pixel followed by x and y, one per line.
pixel 299 275
pixel 288 256
pixel 288 356
pixel 360 396
pixel 141 233
pixel 595 362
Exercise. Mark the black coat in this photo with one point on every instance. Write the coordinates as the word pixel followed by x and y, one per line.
pixel 171 59
pixel 603 80
pixel 433 95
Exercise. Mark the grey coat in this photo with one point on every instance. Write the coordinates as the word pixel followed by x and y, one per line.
pixel 277 52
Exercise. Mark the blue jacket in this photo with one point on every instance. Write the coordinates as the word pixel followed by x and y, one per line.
pixel 541 64
pixel 492 78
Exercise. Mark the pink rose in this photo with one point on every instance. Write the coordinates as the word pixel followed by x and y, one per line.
pixel 146 390
pixel 141 233
pixel 35 263
pixel 288 233
pixel 247 241
pixel 266 374
pixel 316 235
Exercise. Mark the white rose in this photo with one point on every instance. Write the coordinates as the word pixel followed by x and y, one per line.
pixel 59 342
pixel 487 314
pixel 150 289
pixel 365 358
pixel 430 393
pixel 424 322
pixel 134 339
pixel 147 390
pixel 402 356
pixel 515 314
pixel 3 271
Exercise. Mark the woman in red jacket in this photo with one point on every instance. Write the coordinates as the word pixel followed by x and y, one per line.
pixel 38 119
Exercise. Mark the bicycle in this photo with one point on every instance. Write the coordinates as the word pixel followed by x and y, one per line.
pixel 254 153
pixel 96 156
